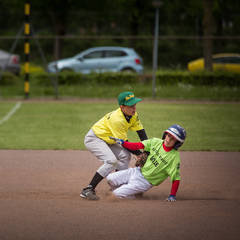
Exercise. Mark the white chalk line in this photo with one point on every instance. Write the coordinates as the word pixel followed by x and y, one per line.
pixel 11 112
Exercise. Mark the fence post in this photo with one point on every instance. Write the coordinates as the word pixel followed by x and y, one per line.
pixel 156 4
pixel 26 47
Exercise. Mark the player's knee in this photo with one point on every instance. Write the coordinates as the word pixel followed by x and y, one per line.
pixel 109 179
pixel 86 142
pixel 119 193
pixel 122 166
pixel 106 169
pixel 113 162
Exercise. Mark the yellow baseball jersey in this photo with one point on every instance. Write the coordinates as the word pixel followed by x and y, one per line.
pixel 115 124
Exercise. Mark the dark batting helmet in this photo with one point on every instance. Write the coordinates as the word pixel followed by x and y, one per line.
pixel 178 132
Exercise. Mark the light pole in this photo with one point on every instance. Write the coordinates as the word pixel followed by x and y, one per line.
pixel 156 4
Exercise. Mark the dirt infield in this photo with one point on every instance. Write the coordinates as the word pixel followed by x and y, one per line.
pixel 39 199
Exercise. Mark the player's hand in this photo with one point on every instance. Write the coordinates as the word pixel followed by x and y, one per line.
pixel 171 198
pixel 117 140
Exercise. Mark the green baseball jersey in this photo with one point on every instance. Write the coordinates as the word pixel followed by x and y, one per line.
pixel 115 124
pixel 160 164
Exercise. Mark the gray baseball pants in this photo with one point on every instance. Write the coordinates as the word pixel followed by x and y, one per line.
pixel 113 156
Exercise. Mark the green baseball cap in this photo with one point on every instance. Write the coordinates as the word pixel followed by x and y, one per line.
pixel 128 99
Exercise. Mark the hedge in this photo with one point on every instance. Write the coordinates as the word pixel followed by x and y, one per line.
pixel 7 78
pixel 199 78
pixel 162 78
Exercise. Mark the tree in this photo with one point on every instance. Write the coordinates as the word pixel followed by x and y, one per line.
pixel 208 32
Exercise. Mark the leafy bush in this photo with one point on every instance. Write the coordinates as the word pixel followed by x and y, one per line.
pixel 71 78
pixel 118 79
pixel 7 78
pixel 198 78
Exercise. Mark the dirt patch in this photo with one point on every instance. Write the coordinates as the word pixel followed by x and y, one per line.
pixel 39 199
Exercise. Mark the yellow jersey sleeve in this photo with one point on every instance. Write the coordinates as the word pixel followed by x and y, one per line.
pixel 115 124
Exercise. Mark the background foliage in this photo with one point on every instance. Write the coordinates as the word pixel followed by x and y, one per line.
pixel 97 23
pixel 172 85
pixel 163 77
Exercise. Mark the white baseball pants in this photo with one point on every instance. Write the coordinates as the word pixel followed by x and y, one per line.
pixel 127 183
pixel 113 156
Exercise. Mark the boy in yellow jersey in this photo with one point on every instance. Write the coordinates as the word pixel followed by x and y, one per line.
pixel 114 156
pixel 163 161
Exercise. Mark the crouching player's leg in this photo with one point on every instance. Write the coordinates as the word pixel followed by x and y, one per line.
pixel 127 183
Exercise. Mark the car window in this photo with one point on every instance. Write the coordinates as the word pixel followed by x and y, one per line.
pixel 234 59
pixel 114 53
pixel 219 60
pixel 96 54
pixel 227 60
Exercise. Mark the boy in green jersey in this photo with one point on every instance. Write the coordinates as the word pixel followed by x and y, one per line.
pixel 163 161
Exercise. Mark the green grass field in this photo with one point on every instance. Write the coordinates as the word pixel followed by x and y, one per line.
pixel 63 125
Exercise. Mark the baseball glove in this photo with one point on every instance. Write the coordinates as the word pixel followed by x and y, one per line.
pixel 141 159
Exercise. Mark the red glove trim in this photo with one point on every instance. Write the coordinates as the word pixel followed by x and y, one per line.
pixel 175 185
pixel 133 146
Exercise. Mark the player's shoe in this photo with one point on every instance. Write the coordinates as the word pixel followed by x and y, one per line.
pixel 89 193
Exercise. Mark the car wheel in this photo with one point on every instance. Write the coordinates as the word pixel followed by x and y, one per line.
pixel 128 70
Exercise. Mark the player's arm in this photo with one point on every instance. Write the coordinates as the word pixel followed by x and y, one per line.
pixel 142 134
pixel 174 189
pixel 128 145
pixel 138 127
pixel 134 148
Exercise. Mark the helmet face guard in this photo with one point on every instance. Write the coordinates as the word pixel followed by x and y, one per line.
pixel 177 132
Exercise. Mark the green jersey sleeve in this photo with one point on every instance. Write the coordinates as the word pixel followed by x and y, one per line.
pixel 147 144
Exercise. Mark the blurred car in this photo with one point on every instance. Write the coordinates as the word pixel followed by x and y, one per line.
pixel 225 62
pixel 100 59
pixel 9 62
